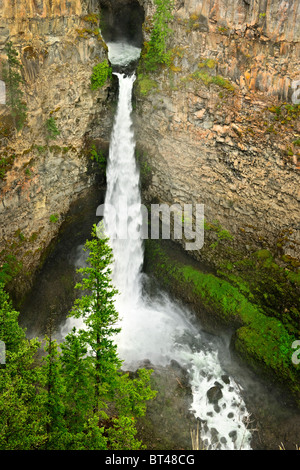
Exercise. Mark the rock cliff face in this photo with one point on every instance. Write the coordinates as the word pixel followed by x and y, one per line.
pixel 220 125
pixel 58 44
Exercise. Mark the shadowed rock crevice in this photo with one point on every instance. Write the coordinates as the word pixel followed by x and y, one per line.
pixel 122 21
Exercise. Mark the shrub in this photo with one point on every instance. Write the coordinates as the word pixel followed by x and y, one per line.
pixel 156 49
pixel 98 157
pixel 101 73
pixel 54 218
pixel 51 129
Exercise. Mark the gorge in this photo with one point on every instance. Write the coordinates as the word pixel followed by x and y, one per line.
pixel 216 124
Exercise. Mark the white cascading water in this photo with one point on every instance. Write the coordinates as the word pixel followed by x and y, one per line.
pixel 159 330
pixel 123 203
pixel 122 54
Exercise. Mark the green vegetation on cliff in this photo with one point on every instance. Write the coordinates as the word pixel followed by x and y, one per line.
pixel 274 288
pixel 146 84
pixel 52 131
pixel 6 163
pixel 98 157
pixel 207 74
pixel 155 51
pixel 9 268
pixel 101 73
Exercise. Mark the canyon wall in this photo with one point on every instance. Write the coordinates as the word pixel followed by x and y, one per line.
pixel 219 126
pixel 58 43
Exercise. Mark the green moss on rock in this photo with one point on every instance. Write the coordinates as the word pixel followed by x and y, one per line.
pixel 145 84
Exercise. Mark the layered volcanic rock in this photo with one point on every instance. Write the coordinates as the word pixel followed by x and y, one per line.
pixel 58 44
pixel 220 125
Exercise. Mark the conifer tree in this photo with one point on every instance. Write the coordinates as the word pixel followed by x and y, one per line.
pixel 79 390
pixel 53 383
pixel 62 402
pixel 22 417
pixel 111 386
pixel 97 309
pixel 22 424
pixel 156 49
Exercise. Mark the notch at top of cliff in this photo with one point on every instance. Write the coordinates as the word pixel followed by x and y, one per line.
pixel 121 21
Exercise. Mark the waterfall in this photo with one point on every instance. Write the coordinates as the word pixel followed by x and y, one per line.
pixel 159 330
pixel 122 215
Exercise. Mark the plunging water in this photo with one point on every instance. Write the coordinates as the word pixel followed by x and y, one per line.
pixel 159 330
pixel 122 216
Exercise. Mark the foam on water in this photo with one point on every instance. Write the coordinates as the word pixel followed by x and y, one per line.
pixel 122 54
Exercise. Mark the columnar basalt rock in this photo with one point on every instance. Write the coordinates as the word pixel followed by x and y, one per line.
pixel 58 44
pixel 219 126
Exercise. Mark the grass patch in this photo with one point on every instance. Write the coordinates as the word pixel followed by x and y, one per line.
pixel 208 79
pixel 145 84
